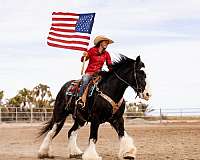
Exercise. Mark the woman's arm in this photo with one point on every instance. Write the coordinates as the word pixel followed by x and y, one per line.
pixel 108 61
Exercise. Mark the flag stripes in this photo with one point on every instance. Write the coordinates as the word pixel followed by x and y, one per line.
pixel 70 30
pixel 63 25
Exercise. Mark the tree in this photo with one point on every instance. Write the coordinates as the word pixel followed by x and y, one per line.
pixel 1 98
pixel 22 99
pixel 1 95
pixel 42 96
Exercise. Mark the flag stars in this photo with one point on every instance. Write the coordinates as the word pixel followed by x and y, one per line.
pixel 84 23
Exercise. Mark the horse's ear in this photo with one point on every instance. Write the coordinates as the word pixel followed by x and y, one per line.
pixel 139 63
pixel 138 59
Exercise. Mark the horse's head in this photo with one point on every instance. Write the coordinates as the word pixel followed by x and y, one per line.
pixel 132 73
pixel 139 80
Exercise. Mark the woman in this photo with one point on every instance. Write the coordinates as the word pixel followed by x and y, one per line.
pixel 97 55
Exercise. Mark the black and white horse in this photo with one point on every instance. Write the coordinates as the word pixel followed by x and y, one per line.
pixel 105 105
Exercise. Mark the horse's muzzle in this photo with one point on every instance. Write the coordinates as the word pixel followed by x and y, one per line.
pixel 145 96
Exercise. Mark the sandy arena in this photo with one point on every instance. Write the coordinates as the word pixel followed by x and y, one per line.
pixel 153 141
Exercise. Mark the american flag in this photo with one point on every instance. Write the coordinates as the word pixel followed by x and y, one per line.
pixel 70 30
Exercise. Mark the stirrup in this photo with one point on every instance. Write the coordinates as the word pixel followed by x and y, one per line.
pixel 80 103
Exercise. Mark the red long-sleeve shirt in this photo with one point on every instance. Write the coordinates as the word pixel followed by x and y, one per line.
pixel 96 60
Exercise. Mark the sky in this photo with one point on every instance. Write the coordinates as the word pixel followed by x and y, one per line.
pixel 164 33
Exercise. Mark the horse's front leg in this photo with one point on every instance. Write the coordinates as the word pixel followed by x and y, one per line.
pixel 72 148
pixel 127 148
pixel 90 153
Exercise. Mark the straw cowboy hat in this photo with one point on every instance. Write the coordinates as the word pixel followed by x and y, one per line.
pixel 102 38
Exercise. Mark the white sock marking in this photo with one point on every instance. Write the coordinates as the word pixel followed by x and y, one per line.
pixel 72 145
pixel 90 153
pixel 127 147
pixel 45 147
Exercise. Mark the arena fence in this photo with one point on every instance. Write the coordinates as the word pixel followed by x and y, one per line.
pixel 33 115
pixel 14 114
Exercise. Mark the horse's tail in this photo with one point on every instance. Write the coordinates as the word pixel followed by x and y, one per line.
pixel 49 125
pixel 60 113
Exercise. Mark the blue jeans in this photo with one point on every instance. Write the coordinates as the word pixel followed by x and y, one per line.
pixel 85 80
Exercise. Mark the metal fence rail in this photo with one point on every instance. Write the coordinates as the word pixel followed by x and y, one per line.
pixel 20 115
pixel 33 115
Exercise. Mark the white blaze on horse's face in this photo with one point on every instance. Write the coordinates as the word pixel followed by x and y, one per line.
pixel 147 92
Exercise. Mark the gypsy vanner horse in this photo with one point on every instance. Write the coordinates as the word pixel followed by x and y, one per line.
pixel 98 109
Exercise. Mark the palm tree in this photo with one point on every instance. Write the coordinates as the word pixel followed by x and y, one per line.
pixel 42 96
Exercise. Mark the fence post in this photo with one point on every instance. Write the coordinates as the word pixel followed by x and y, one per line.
pixel 16 114
pixel 31 114
pixel 45 115
pixel 160 115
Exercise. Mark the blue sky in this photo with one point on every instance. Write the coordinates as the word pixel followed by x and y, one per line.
pixel 165 33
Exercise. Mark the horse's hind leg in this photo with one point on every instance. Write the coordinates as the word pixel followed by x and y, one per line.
pixel 127 148
pixel 52 128
pixel 72 148
pixel 45 150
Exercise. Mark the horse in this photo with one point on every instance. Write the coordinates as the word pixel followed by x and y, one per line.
pixel 106 105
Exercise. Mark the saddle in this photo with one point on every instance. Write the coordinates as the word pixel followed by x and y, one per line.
pixel 74 88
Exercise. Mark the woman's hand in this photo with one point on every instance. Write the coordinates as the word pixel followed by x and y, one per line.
pixel 85 54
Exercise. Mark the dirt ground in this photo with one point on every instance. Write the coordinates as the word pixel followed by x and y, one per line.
pixel 154 141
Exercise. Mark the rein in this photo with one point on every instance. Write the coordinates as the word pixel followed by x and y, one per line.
pixel 136 88
pixel 113 103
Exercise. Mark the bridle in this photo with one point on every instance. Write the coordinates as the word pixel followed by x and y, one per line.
pixel 118 104
pixel 137 88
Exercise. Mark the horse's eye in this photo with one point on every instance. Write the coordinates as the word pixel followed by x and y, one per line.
pixel 139 90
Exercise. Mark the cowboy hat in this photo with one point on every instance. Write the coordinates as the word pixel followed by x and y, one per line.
pixel 102 38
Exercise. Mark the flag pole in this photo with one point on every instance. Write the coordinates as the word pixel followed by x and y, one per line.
pixel 83 65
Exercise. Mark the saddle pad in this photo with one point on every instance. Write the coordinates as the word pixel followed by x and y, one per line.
pixel 73 88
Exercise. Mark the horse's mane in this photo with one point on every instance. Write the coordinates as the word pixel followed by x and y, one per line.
pixel 121 61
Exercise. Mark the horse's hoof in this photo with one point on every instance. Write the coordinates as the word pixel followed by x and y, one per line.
pixel 76 155
pixel 129 157
pixel 42 156
pixel 51 157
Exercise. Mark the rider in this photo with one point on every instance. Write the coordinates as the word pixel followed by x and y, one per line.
pixel 97 55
